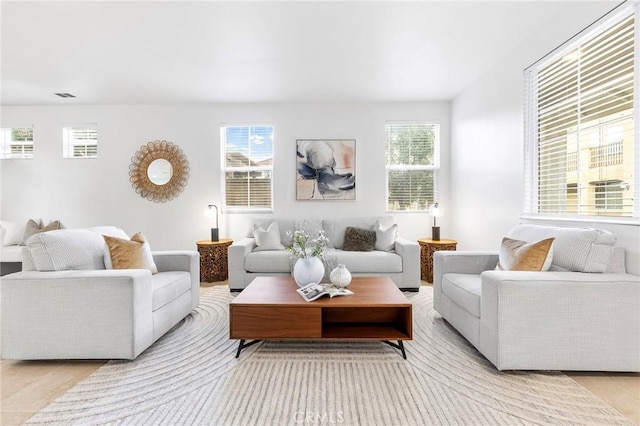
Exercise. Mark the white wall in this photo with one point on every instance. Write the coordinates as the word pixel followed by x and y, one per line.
pixel 88 192
pixel 487 145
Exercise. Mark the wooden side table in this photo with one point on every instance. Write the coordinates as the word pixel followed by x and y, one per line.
pixel 213 260
pixel 427 248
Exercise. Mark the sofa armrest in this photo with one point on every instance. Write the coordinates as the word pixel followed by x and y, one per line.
pixel 464 262
pixel 236 253
pixel 409 251
pixel 544 318
pixel 185 260
pixel 43 314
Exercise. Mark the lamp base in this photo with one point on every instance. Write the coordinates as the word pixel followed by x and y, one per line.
pixel 435 233
pixel 214 234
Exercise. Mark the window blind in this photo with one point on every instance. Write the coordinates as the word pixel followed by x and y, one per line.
pixel 412 164
pixel 248 167
pixel 581 141
pixel 80 142
pixel 17 143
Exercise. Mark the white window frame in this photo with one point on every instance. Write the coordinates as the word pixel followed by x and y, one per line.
pixel 531 202
pixel 8 143
pixel 248 169
pixel 435 167
pixel 70 144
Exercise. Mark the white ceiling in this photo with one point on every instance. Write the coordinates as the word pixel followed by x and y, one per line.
pixel 204 52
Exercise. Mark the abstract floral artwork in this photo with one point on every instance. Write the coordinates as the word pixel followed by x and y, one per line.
pixel 326 169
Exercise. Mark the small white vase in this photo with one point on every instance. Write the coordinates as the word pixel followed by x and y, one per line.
pixel 340 276
pixel 308 270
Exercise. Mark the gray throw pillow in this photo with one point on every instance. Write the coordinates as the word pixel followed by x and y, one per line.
pixel 358 239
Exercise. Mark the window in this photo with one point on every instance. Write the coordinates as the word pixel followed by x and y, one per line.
pixel 581 142
pixel 248 167
pixel 412 165
pixel 17 143
pixel 80 141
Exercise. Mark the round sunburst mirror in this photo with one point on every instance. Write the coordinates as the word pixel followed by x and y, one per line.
pixel 159 171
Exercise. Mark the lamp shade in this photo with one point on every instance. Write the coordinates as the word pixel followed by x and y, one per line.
pixel 435 210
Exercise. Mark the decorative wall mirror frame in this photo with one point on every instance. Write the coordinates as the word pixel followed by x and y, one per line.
pixel 159 171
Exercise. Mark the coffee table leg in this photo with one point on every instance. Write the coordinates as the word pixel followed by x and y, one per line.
pixel 242 345
pixel 398 345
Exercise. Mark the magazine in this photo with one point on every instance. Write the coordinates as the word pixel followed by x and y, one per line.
pixel 314 291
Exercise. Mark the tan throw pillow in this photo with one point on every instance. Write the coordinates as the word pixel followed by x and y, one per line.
pixel 516 255
pixel 130 254
pixel 34 228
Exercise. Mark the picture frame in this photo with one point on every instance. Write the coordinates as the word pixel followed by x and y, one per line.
pixel 325 169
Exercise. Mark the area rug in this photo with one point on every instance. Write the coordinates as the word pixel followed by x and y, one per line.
pixel 191 377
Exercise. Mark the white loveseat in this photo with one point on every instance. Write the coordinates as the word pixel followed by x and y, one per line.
pixel 582 314
pixel 401 263
pixel 64 304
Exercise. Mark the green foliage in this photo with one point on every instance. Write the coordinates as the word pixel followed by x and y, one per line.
pixel 305 246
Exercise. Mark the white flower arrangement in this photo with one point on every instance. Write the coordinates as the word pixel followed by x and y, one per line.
pixel 305 246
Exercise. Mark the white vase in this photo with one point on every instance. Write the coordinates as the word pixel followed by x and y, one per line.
pixel 340 276
pixel 308 270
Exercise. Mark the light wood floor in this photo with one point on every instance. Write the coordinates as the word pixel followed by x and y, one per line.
pixel 28 386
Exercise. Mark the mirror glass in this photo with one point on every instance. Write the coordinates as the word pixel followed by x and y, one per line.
pixel 160 171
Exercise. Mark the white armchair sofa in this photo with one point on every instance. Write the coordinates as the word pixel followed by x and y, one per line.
pixel 401 263
pixel 64 304
pixel 582 314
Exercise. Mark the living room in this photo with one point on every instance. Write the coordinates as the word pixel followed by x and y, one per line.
pixel 311 70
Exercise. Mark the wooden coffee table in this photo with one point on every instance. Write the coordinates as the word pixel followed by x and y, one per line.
pixel 270 309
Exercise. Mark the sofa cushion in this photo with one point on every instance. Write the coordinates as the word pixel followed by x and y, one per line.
pixel 11 254
pixel 516 255
pixel 334 228
pixel 268 261
pixel 385 237
pixel 464 290
pixel 168 286
pixel 65 249
pixel 267 239
pixel 358 239
pixel 375 262
pixel 574 249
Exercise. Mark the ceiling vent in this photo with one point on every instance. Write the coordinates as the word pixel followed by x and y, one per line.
pixel 65 95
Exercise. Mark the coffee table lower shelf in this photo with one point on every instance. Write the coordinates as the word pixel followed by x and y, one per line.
pixel 397 330
pixel 400 346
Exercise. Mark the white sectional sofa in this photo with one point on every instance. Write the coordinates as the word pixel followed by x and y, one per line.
pixel 65 304
pixel 582 314
pixel 401 263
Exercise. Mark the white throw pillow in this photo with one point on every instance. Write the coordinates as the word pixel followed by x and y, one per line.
pixel 268 239
pixel 12 234
pixel 385 238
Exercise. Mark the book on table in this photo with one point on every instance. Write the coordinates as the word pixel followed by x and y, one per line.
pixel 314 291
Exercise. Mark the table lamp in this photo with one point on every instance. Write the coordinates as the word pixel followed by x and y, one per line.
pixel 209 213
pixel 434 210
